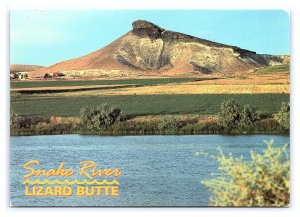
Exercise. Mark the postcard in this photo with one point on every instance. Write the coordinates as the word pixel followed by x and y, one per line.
pixel 149 108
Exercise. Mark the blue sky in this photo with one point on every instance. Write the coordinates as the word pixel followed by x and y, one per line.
pixel 47 37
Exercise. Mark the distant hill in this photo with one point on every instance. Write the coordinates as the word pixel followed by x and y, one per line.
pixel 148 48
pixel 24 68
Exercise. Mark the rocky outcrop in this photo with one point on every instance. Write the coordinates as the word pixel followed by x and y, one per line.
pixel 150 47
pixel 276 59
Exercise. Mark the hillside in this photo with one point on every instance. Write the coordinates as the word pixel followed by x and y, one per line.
pixel 23 68
pixel 149 49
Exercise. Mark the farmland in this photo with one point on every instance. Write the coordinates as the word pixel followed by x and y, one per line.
pixel 64 83
pixel 41 90
pixel 148 102
pixel 137 105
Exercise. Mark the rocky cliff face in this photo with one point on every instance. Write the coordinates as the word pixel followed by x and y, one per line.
pixel 148 48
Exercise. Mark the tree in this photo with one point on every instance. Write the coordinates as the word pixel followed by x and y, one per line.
pixel 283 116
pixel 100 117
pixel 230 114
pixel 264 181
pixel 247 117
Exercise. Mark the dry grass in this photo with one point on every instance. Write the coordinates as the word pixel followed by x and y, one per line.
pixel 182 117
pixel 201 89
pixel 186 89
pixel 201 119
pixel 59 120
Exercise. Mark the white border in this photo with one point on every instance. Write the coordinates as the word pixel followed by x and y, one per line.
pixel 290 5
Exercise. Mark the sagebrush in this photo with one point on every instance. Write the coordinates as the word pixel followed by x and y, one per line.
pixel 262 182
pixel 100 117
pixel 283 116
pixel 233 116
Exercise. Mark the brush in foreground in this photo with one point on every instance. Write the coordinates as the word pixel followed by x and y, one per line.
pixel 262 182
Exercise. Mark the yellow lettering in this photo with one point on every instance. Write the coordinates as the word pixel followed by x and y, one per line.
pixel 114 191
pixel 86 165
pixel 26 167
pixel 80 190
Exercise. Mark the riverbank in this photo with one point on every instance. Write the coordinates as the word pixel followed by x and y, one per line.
pixel 147 125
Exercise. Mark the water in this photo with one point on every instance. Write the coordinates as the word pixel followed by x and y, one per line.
pixel 157 170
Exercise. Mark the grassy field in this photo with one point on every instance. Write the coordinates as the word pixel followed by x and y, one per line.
pixel 136 105
pixel 59 83
pixel 62 89
pixel 274 69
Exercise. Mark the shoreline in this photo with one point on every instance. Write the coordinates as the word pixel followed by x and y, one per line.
pixel 23 133
pixel 146 125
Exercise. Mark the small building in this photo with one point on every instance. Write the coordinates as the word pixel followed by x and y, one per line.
pixel 58 74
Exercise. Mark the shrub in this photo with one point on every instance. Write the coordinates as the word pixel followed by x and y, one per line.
pixel 15 121
pixel 283 116
pixel 187 129
pixel 264 181
pixel 170 124
pixel 18 122
pixel 207 128
pixel 100 117
pixel 232 115
pixel 268 125
pixel 229 115
pixel 247 117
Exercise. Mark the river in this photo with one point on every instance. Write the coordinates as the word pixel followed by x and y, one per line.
pixel 156 170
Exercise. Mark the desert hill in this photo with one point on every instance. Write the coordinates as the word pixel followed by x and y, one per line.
pixel 148 48
pixel 23 68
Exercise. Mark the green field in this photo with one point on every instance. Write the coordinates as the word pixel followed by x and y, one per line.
pixel 60 83
pixel 274 69
pixel 136 105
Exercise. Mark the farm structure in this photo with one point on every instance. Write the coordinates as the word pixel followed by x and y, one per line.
pixel 58 74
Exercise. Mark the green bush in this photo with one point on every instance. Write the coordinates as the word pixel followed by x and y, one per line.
pixel 229 115
pixel 247 117
pixel 264 181
pixel 18 122
pixel 15 121
pixel 283 116
pixel 100 117
pixel 170 124
pixel 233 116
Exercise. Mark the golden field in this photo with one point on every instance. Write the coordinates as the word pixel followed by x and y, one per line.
pixel 278 83
pixel 180 89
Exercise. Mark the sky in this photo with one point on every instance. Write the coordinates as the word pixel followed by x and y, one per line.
pixel 47 37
